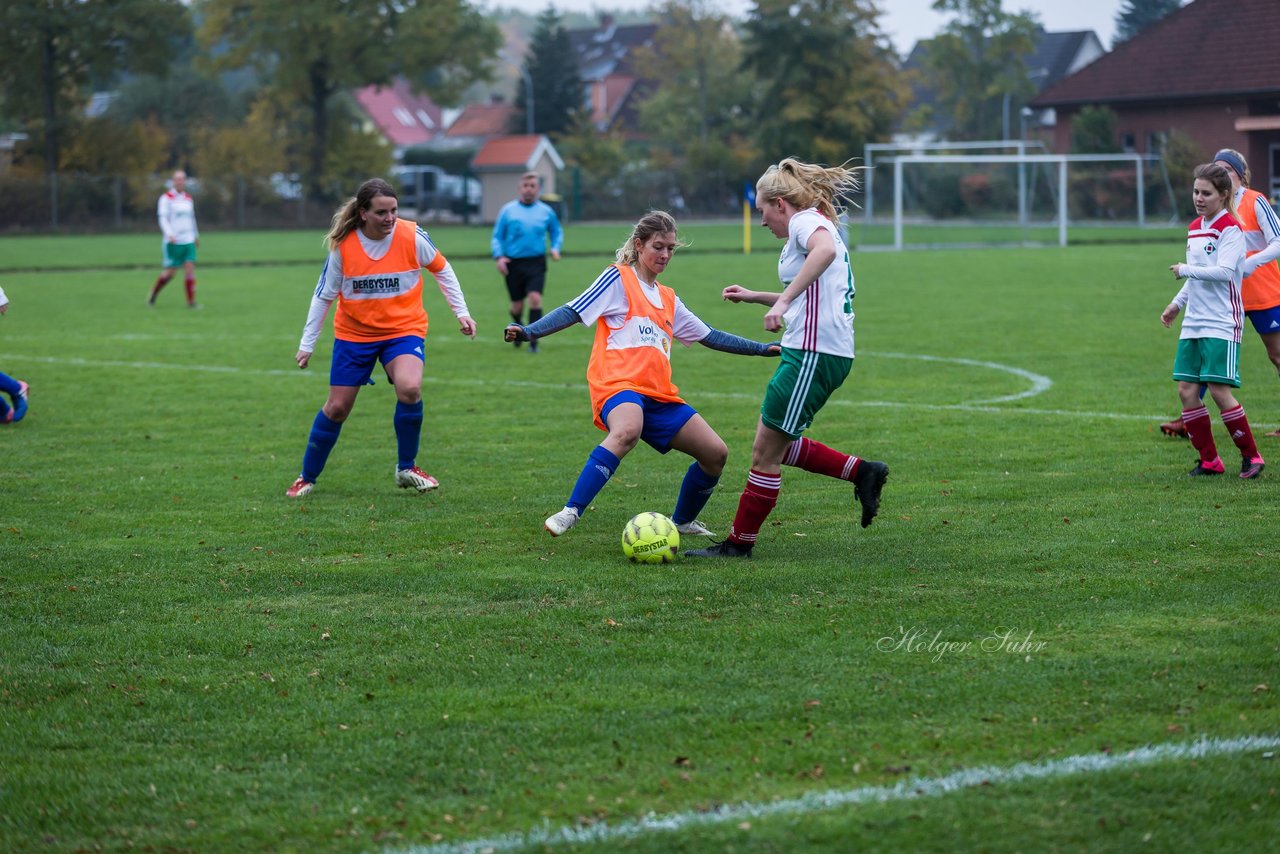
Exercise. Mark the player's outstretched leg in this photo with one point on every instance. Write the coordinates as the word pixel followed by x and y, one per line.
pixel 600 466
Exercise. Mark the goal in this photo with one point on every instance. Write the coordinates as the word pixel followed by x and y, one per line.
pixel 1018 199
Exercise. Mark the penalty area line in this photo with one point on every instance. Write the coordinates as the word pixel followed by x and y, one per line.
pixel 813 802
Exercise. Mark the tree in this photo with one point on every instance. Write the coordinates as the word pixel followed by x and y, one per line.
pixel 553 70
pixel 977 67
pixel 308 51
pixel 1136 15
pixel 699 112
pixel 52 50
pixel 1093 131
pixel 828 78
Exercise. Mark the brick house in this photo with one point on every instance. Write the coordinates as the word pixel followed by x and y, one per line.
pixel 1210 69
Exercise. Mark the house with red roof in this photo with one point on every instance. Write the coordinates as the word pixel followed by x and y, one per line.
pixel 503 159
pixel 1210 69
pixel 605 54
pixel 477 123
pixel 404 119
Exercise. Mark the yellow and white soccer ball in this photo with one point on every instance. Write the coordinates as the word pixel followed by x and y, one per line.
pixel 650 538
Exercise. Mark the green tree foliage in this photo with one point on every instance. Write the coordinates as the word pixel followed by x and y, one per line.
pixel 553 69
pixel 1136 15
pixel 309 51
pixel 698 112
pixel 51 51
pixel 828 77
pixel 1093 131
pixel 184 103
pixel 977 67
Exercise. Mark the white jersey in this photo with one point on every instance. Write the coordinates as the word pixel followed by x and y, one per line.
pixel 330 284
pixel 607 298
pixel 1210 297
pixel 177 215
pixel 821 318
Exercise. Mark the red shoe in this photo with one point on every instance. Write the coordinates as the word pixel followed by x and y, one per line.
pixel 1251 467
pixel 300 488
pixel 1175 428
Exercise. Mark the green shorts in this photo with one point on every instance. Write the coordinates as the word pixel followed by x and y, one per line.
pixel 799 388
pixel 1207 360
pixel 177 254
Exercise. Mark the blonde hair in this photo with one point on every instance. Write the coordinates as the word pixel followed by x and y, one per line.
pixel 1220 178
pixel 346 218
pixel 806 185
pixel 654 222
pixel 1247 177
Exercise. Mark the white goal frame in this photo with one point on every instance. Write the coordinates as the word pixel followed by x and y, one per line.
pixel 1062 161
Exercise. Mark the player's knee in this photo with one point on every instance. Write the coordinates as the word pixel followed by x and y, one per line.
pixel 714 459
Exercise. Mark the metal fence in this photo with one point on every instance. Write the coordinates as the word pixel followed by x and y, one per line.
pixel 81 203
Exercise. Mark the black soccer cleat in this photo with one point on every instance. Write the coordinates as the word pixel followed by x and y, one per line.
pixel 1203 470
pixel 867 485
pixel 727 548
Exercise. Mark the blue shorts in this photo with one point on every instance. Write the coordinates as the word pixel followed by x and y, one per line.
pixel 1265 320
pixel 662 420
pixel 353 361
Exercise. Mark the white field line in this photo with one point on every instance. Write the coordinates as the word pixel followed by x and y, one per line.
pixel 813 802
pixel 1038 382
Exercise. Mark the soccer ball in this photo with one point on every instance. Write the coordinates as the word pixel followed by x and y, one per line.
pixel 650 538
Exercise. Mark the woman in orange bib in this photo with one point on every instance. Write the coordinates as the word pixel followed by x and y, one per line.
pixel 629 373
pixel 374 272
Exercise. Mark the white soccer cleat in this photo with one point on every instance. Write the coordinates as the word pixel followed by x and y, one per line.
pixel 561 522
pixel 694 528
pixel 300 488
pixel 416 478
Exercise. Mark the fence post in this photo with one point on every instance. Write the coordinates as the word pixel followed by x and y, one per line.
pixel 53 200
pixel 239 201
pixel 118 195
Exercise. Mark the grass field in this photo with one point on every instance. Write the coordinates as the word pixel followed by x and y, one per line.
pixel 189 661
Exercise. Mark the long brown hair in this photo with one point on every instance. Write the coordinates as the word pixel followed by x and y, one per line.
pixel 1220 178
pixel 346 218
pixel 807 185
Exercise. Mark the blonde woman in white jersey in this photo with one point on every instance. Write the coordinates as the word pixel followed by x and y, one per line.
pixel 798 202
pixel 1209 344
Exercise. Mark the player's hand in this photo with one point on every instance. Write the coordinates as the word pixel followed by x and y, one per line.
pixel 302 358
pixel 555 254
pixel 735 293
pixel 774 350
pixel 1170 312
pixel 1174 268
pixel 514 332
pixel 773 317
pixel 502 264
pixel 467 327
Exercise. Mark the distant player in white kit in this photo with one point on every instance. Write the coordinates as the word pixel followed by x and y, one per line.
pixel 176 212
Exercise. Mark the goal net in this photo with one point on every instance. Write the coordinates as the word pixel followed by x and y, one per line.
pixel 1022 199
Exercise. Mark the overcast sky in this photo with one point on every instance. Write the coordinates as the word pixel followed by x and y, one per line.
pixel 904 21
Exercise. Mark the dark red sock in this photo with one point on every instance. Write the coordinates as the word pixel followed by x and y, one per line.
pixel 1238 427
pixel 818 458
pixel 191 289
pixel 757 501
pixel 160 283
pixel 1200 429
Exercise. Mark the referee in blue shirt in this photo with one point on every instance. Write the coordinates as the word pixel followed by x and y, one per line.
pixel 521 234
